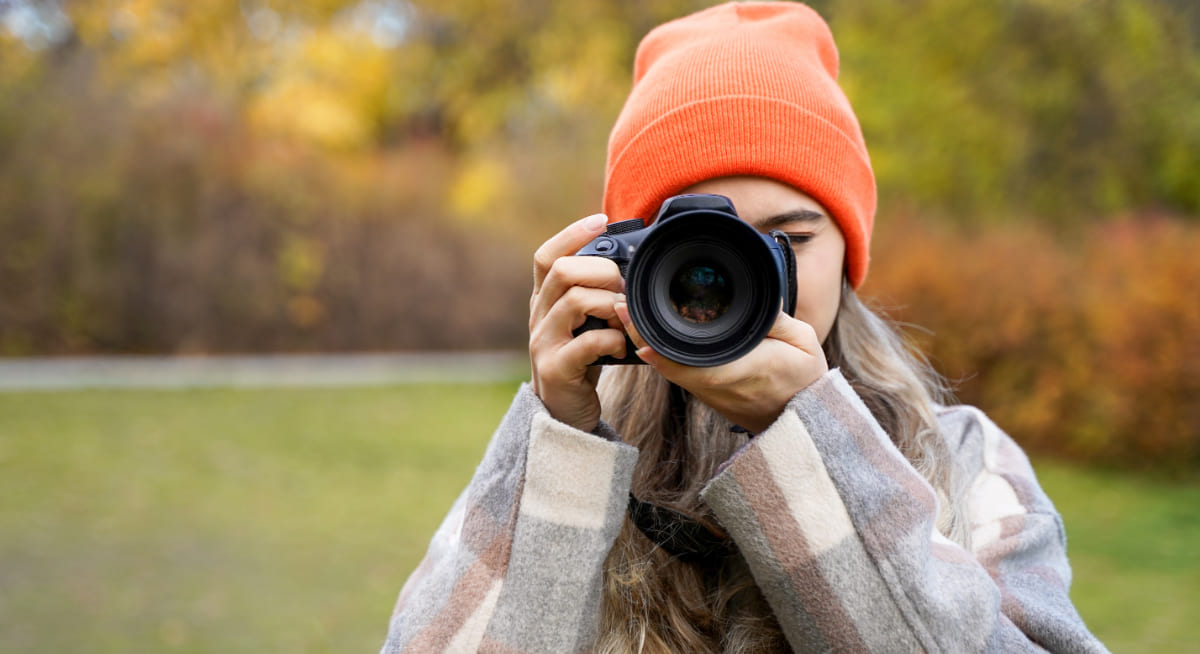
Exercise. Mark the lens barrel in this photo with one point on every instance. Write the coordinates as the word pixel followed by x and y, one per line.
pixel 704 287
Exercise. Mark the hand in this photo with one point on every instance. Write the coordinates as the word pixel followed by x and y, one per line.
pixel 752 391
pixel 566 290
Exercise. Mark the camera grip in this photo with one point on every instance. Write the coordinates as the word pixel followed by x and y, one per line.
pixel 592 322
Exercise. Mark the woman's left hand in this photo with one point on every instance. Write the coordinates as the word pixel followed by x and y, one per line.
pixel 752 391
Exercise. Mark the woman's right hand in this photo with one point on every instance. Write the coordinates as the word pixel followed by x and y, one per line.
pixel 566 290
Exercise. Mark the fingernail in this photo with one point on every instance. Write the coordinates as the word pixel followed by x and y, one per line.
pixel 595 222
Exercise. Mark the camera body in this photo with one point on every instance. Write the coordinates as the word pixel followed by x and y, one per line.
pixel 703 286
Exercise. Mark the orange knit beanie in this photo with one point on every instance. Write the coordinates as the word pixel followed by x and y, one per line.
pixel 742 89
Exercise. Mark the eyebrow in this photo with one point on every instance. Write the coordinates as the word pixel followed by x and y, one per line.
pixel 801 215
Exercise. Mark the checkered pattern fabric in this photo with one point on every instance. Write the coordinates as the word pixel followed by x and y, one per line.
pixel 836 525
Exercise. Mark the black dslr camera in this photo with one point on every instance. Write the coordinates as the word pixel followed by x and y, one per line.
pixel 704 287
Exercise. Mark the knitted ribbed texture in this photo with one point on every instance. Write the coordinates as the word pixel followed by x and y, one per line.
pixel 742 89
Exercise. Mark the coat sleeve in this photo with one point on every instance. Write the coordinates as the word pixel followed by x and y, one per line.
pixel 517 565
pixel 839 531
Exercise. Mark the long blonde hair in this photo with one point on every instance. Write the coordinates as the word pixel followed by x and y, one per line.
pixel 653 602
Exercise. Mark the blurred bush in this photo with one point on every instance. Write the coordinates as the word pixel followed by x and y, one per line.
pixel 1084 347
pixel 171 229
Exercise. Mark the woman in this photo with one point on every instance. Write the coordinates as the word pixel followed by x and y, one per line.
pixel 813 495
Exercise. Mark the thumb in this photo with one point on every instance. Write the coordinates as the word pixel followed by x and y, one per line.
pixel 796 333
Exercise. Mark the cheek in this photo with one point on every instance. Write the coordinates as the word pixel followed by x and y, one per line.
pixel 819 288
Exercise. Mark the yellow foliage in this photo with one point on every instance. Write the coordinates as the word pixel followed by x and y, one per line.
pixel 311 113
pixel 16 61
pixel 327 88
pixel 578 70
pixel 150 45
pixel 481 186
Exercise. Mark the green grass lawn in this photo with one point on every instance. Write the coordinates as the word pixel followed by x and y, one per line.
pixel 286 520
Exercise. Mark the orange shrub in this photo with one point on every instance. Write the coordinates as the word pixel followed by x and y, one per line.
pixel 1084 345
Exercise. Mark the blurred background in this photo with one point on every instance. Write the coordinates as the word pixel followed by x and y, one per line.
pixel 334 176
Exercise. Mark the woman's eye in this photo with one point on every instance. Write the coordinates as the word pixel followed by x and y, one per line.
pixel 800 239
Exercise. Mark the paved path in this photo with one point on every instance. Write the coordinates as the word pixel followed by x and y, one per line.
pixel 260 371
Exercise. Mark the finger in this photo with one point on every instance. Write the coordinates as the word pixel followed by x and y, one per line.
pixel 568 241
pixel 665 366
pixel 573 359
pixel 571 272
pixel 570 312
pixel 592 345
pixel 794 332
pixel 621 308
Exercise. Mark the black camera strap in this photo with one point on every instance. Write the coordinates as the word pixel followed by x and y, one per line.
pixel 679 535
pixel 789 258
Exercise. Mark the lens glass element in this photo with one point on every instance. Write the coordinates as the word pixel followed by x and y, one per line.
pixel 699 292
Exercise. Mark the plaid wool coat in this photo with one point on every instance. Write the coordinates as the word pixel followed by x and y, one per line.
pixel 836 526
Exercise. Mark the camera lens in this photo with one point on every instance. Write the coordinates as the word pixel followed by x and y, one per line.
pixel 704 287
pixel 699 292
